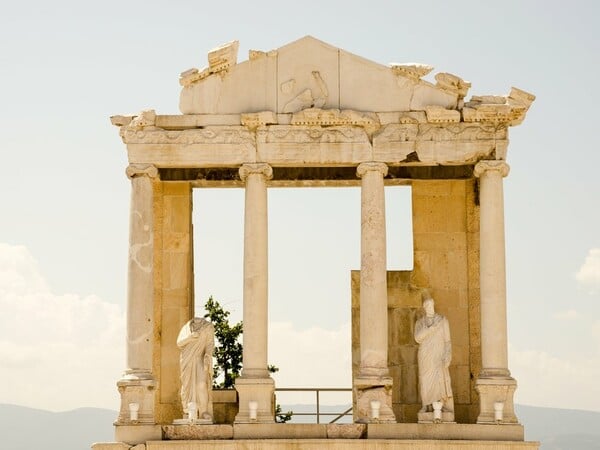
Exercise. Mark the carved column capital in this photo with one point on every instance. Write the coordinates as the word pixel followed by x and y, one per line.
pixel 365 167
pixel 494 165
pixel 256 168
pixel 139 170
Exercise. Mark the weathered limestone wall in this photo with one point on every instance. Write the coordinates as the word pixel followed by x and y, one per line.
pixel 174 294
pixel 446 263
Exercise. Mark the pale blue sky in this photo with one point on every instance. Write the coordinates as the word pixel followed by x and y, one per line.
pixel 65 67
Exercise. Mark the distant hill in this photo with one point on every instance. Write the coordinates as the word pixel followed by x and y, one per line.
pixel 561 429
pixel 24 428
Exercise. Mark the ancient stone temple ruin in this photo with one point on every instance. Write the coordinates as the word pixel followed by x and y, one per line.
pixel 310 114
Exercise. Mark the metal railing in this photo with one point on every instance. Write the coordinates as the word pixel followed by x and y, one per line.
pixel 318 412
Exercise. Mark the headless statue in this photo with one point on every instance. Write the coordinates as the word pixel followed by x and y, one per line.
pixel 196 342
pixel 432 333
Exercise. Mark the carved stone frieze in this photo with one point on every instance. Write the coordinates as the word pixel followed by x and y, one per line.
pixel 438 114
pixel 306 98
pixel 458 132
pixel 258 119
pixel 192 75
pixel 299 134
pixel 332 117
pixel 208 135
pixel 493 113
pixel 414 71
pixel 223 57
pixel 509 109
pixel 397 132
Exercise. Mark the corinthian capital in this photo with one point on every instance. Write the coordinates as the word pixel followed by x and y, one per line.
pixel 139 170
pixel 256 169
pixel 369 166
pixel 491 165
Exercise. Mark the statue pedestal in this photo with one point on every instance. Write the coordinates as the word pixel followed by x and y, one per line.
pixel 140 391
pixel 492 390
pixel 259 390
pixel 368 389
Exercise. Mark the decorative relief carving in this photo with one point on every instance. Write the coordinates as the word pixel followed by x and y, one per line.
pixel 414 71
pixel 452 83
pixel 491 165
pixel 192 75
pixel 138 170
pixel 456 132
pixel 219 60
pixel 298 134
pixel 256 169
pixel 208 135
pixel 509 109
pixel 439 114
pixel 223 57
pixel 306 98
pixel 259 119
pixel 288 86
pixel 330 117
pixel 404 132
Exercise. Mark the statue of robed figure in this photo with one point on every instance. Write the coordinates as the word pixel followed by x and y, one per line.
pixel 196 342
pixel 432 333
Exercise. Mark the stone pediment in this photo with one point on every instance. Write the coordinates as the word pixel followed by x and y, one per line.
pixel 310 104
pixel 310 73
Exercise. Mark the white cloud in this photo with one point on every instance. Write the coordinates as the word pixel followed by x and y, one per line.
pixel 570 314
pixel 589 273
pixel 546 380
pixel 57 351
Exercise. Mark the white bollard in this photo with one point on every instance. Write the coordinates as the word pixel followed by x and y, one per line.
pixel 133 411
pixel 253 409
pixel 375 407
pixel 498 411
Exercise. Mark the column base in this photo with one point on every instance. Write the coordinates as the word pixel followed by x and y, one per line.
pixel 140 391
pixel 260 390
pixel 368 389
pixel 492 390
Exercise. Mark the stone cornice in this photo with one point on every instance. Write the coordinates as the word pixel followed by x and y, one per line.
pixel 369 166
pixel 140 170
pixel 256 169
pixel 491 165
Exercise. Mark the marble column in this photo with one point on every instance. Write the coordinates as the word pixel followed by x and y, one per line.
pixel 137 383
pixel 373 381
pixel 255 384
pixel 494 383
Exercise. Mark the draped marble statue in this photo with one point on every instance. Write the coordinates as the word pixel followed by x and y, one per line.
pixel 196 342
pixel 432 333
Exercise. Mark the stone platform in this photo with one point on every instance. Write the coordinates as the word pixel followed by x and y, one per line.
pixel 332 436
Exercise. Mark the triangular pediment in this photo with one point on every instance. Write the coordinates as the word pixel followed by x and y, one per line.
pixel 308 73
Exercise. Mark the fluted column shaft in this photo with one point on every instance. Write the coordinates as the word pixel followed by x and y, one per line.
pixel 140 283
pixel 255 270
pixel 494 346
pixel 373 272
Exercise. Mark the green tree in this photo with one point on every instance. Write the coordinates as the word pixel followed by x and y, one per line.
pixel 229 351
